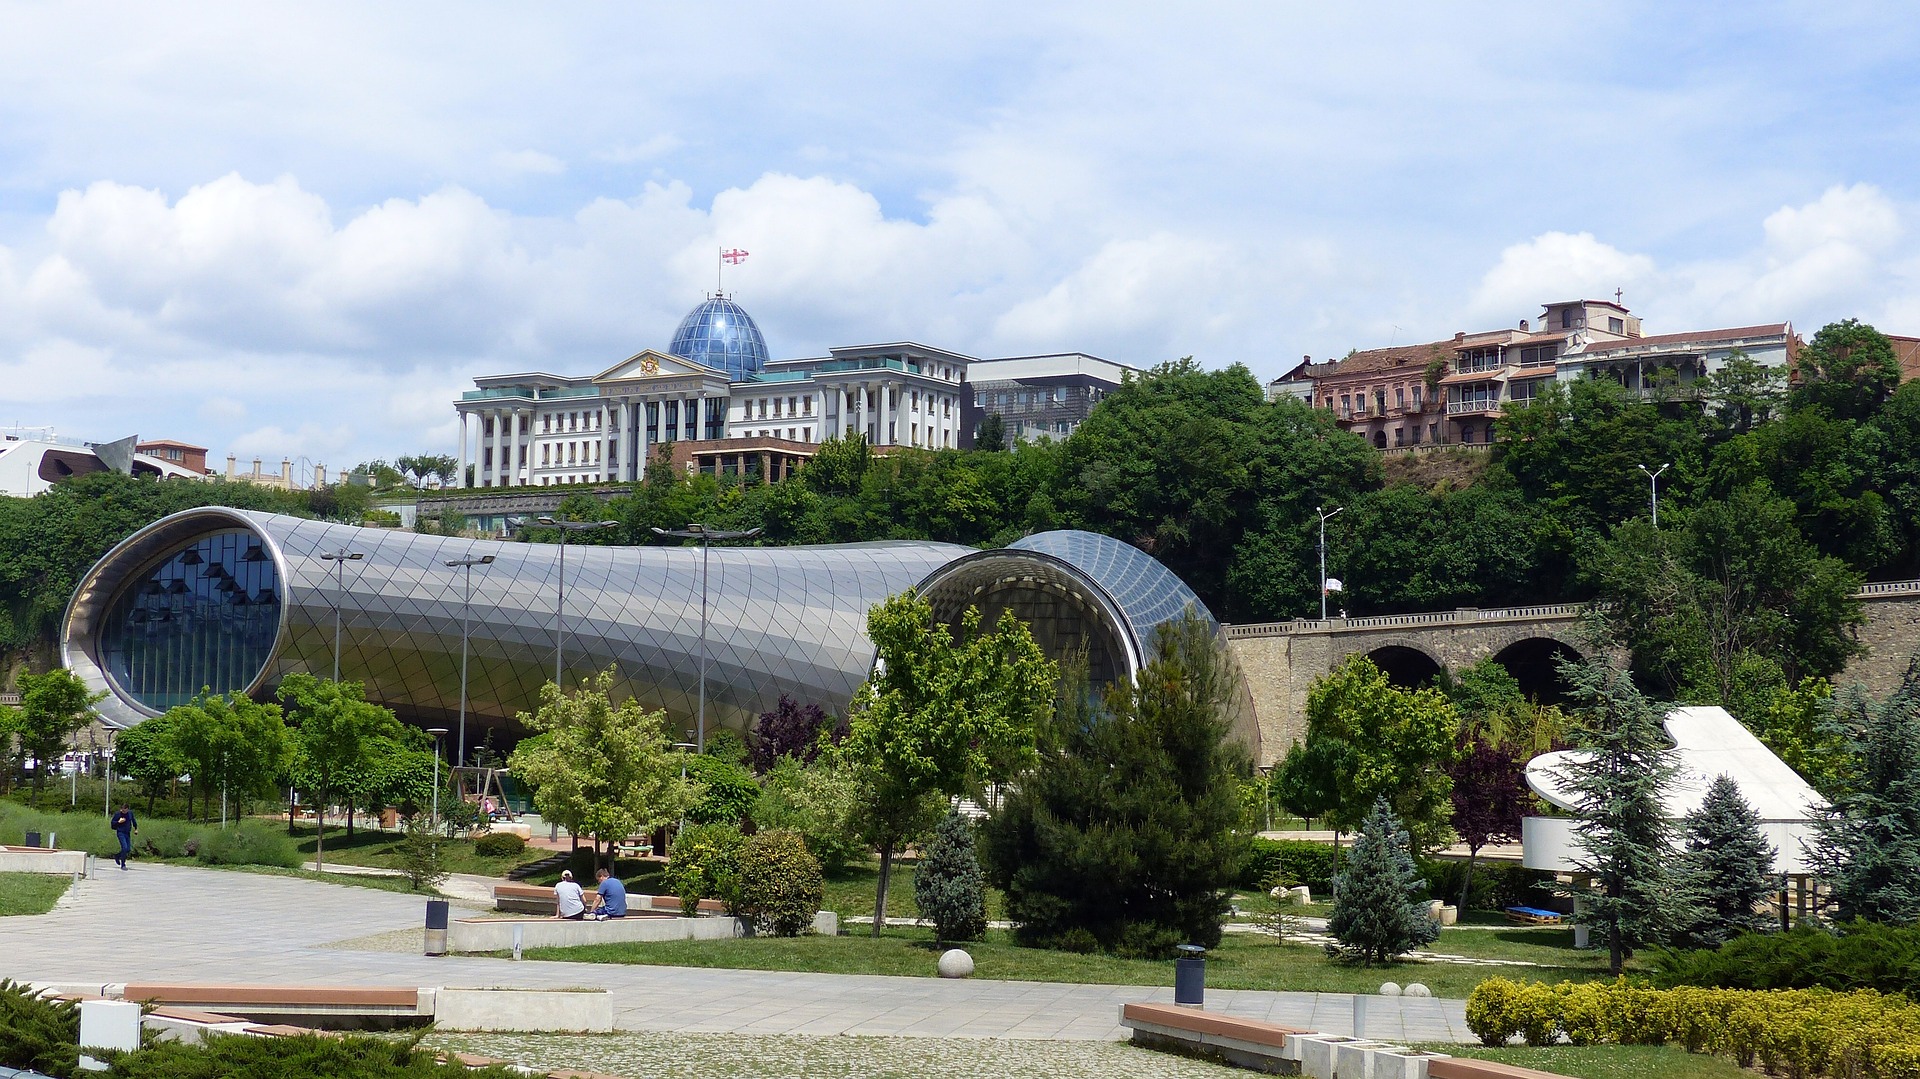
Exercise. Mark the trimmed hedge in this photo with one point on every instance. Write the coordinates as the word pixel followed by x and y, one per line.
pixel 1302 861
pixel 499 845
pixel 1862 955
pixel 1861 1035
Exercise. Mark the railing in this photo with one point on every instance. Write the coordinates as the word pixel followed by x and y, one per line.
pixel 1473 615
pixel 1458 408
pixel 9 698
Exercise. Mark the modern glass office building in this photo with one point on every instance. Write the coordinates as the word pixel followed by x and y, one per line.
pixel 234 600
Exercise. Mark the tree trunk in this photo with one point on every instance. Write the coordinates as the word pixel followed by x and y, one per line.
pixel 880 895
pixel 1466 886
pixel 349 822
pixel 153 792
pixel 289 810
pixel 319 831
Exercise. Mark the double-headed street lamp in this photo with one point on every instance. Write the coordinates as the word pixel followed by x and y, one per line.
pixel 1653 480
pixel 339 558
pixel 1324 518
pixel 706 536
pixel 560 599
pixel 466 606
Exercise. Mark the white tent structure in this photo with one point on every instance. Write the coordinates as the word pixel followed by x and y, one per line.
pixel 1709 742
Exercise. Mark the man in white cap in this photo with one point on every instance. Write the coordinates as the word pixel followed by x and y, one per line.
pixel 569 902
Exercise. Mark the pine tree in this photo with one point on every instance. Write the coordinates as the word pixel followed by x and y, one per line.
pixel 1123 837
pixel 949 886
pixel 1623 831
pixel 1869 840
pixel 1728 864
pixel 1378 912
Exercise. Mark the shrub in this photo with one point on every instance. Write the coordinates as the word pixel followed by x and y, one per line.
pixel 499 845
pixel 420 854
pixel 727 791
pixel 248 843
pixel 705 864
pixel 38 1034
pixel 948 885
pixel 818 801
pixel 1299 860
pixel 1864 1034
pixel 1862 955
pixel 1495 886
pixel 780 884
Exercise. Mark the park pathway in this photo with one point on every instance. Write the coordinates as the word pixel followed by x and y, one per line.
pixel 178 924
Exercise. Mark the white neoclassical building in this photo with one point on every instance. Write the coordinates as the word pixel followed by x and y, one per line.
pixel 714 401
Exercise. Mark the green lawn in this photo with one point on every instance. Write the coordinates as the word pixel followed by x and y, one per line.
pixel 382 849
pixel 30 893
pixel 1243 961
pixel 1608 1061
pixel 1522 944
pixel 850 893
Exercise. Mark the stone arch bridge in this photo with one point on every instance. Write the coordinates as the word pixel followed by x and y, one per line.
pixel 1282 659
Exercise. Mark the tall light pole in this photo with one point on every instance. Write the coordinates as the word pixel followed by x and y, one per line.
pixel 706 536
pixel 436 732
pixel 339 558
pixel 560 599
pixel 466 606
pixel 1653 481
pixel 1324 518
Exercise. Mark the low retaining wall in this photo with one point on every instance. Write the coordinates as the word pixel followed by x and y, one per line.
pixel 524 1010
pixel 63 863
pixel 496 934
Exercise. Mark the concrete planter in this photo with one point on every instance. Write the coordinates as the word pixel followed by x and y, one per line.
pixel 523 1010
pixel 39 860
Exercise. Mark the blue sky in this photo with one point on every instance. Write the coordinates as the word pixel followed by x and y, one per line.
pixel 298 231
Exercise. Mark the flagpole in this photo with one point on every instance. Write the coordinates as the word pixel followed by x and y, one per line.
pixel 719 261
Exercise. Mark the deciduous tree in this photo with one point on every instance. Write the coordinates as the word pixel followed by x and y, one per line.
pixel 53 707
pixel 336 734
pixel 945 713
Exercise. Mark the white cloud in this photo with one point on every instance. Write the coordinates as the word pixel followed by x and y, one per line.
pixel 532 161
pixel 1555 266
pixel 645 150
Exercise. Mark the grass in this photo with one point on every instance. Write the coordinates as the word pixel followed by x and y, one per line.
pixel 30 893
pixel 1243 961
pixel 849 893
pixel 377 849
pixel 1608 1061
pixel 1552 947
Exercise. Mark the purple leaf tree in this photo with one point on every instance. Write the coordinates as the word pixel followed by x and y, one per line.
pixel 1489 800
pixel 790 730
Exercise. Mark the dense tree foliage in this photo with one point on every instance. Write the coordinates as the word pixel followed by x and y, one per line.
pixel 1869 841
pixel 1728 865
pixel 1124 837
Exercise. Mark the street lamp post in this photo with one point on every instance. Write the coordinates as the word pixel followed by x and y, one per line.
pixel 1653 482
pixel 560 600
pixel 339 558
pixel 466 606
pixel 706 536
pixel 436 732
pixel 1324 518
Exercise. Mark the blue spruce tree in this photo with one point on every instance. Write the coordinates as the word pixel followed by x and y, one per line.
pixel 1378 911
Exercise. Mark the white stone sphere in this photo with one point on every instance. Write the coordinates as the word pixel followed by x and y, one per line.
pixel 1389 989
pixel 956 963
pixel 1415 989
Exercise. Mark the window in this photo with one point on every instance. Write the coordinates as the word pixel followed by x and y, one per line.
pixel 1413 433
pixel 546 423
pixel 1466 435
pixel 1566 318
pixel 1399 437
pixel 1380 401
pixel 1346 406
pixel 979 400
pixel 1329 402
pixel 1416 397
pixel 1399 397
pixel 1616 325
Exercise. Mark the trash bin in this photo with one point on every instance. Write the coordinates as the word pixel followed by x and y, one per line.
pixel 1190 976
pixel 33 839
pixel 436 927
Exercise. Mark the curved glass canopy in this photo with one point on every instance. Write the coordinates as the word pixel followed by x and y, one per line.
pixel 202 617
pixel 720 334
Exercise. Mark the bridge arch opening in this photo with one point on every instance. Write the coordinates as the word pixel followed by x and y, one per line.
pixel 1534 662
pixel 1404 665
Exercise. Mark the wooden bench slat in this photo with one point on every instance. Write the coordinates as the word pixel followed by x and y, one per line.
pixel 1471 1068
pixel 382 996
pixel 1204 1022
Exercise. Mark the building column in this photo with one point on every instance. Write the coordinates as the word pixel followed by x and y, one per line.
pixel 640 448
pixel 490 439
pixel 513 452
pixel 890 414
pixel 860 409
pixel 460 478
pixel 600 445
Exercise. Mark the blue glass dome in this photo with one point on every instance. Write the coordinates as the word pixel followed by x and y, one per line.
pixel 720 334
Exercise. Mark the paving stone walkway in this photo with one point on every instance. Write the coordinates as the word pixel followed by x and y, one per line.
pixel 180 924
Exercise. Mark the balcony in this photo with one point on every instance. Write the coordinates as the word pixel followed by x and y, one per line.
pixel 1474 408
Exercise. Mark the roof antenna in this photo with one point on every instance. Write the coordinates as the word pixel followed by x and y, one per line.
pixel 1395 339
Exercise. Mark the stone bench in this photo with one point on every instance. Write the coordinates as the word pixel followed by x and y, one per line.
pixel 1469 1068
pixel 538 899
pixel 377 1004
pixel 1268 1047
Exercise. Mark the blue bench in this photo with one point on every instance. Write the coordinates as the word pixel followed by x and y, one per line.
pixel 1535 916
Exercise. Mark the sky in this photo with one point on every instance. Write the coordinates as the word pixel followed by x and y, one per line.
pixel 300 230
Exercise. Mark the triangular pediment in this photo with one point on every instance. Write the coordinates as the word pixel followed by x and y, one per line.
pixel 651 364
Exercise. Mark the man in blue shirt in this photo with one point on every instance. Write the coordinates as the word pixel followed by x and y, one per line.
pixel 123 829
pixel 613 896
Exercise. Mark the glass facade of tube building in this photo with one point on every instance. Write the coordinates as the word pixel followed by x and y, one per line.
pixel 235 600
